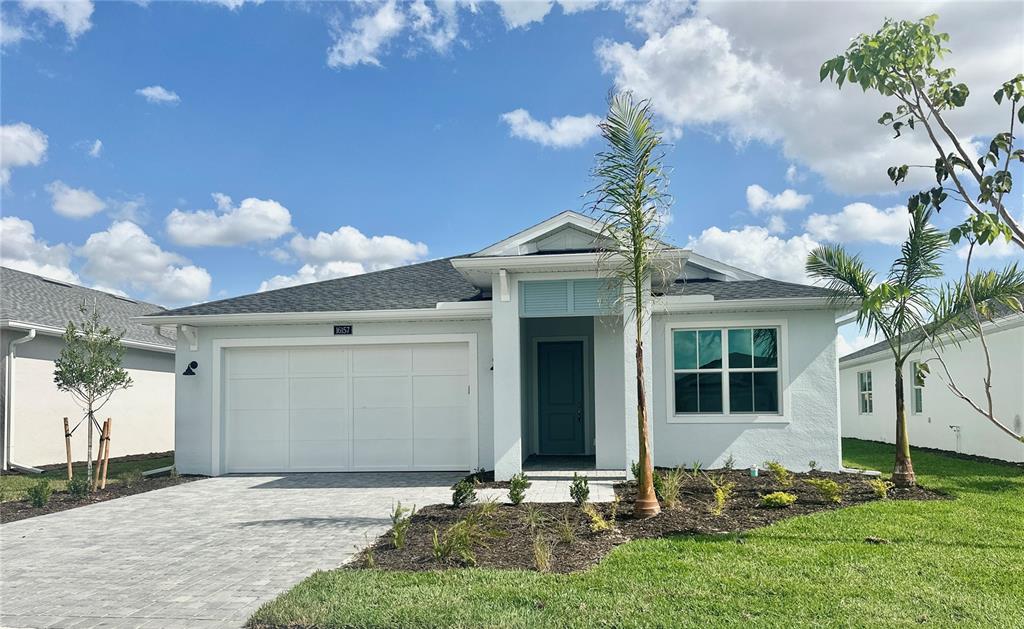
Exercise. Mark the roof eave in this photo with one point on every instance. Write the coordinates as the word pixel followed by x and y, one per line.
pixel 705 303
pixel 442 311
pixel 50 330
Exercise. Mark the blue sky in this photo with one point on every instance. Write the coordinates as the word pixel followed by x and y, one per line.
pixel 183 151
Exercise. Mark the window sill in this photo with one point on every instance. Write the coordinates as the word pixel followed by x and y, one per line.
pixel 728 419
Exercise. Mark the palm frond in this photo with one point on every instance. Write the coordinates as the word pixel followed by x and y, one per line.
pixel 953 313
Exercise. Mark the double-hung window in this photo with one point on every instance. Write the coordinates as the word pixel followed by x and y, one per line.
pixel 726 371
pixel 916 389
pixel 864 392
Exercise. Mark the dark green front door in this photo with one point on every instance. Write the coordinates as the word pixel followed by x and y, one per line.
pixel 560 396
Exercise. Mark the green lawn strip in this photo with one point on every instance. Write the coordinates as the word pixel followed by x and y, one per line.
pixel 14 486
pixel 948 563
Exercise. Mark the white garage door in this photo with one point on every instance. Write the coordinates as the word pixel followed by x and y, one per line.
pixel 340 408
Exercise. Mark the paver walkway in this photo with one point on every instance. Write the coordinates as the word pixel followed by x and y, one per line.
pixel 200 555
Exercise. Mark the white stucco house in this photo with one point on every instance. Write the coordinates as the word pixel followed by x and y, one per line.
pixel 34 311
pixel 516 350
pixel 936 418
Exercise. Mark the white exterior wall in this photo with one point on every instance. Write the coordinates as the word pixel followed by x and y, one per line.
pixel 808 428
pixel 609 394
pixel 194 394
pixel 941 409
pixel 143 415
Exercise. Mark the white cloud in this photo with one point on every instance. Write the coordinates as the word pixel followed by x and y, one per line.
pixel 998 249
pixel 793 174
pixel 232 4
pixel 851 340
pixel 96 148
pixel 341 253
pixel 369 33
pixel 564 132
pixel 520 13
pixel 158 95
pixel 74 202
pixel 754 249
pixel 11 34
pixel 20 145
pixel 124 256
pixel 74 15
pixel 438 27
pixel 751 70
pixel 252 220
pixel 576 6
pixel 19 249
pixel 861 222
pixel 760 200
pixel 313 273
pixel 776 224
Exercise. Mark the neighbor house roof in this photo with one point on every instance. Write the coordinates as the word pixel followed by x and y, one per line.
pixel 745 289
pixel 34 300
pixel 420 285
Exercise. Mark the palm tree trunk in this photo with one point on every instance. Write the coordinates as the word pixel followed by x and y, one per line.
pixel 646 504
pixel 903 470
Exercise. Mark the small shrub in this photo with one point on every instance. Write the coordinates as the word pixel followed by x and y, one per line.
pixel 880 487
pixel 173 474
pixel 39 494
pixel 533 517
pixel 777 500
pixel 565 530
pixel 579 491
pixel 487 508
pixel 730 462
pixel 517 487
pixel 613 509
pixel 598 523
pixel 541 553
pixel 370 558
pixel 78 487
pixel 464 493
pixel 695 469
pixel 828 488
pixel 128 478
pixel 460 539
pixel 671 483
pixel 781 475
pixel 813 465
pixel 722 493
pixel 401 520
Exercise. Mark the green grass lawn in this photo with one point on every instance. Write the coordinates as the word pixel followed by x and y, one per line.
pixel 950 563
pixel 12 487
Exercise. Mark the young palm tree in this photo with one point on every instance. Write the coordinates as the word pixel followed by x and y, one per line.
pixel 907 308
pixel 630 197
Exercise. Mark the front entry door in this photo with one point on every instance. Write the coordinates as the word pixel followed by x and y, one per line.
pixel 561 399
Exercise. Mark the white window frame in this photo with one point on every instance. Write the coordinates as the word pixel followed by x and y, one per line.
pixel 870 393
pixel 914 388
pixel 726 416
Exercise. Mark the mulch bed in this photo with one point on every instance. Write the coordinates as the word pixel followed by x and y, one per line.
pixel 514 548
pixel 13 510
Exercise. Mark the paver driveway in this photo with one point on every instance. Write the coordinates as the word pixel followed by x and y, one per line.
pixel 203 554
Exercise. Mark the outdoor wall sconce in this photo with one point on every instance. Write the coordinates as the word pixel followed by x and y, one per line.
pixel 190 370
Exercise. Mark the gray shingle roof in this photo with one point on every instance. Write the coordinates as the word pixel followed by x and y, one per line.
pixel 40 301
pixel 420 285
pixel 745 289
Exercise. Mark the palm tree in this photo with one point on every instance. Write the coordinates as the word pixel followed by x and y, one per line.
pixel 630 197
pixel 907 308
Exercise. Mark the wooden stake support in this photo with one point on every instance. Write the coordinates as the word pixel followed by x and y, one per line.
pixel 99 454
pixel 67 446
pixel 106 452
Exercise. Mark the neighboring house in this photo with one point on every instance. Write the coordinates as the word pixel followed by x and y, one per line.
pixel 34 311
pixel 516 350
pixel 936 418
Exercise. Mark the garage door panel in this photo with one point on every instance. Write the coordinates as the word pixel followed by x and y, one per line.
pixel 383 423
pixel 248 363
pixel 442 453
pixel 438 390
pixel 382 359
pixel 443 422
pixel 440 357
pixel 250 425
pixel 319 393
pixel 259 394
pixel 318 361
pixel 381 391
pixel 393 454
pixel 324 455
pixel 320 423
pixel 259 456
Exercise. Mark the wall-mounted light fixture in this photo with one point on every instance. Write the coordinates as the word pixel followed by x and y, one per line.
pixel 191 369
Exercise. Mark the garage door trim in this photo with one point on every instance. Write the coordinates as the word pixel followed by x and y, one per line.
pixel 219 345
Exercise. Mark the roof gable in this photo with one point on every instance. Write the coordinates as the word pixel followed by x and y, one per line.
pixel 568 231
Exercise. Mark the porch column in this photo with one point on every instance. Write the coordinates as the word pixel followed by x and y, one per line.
pixel 632 439
pixel 508 431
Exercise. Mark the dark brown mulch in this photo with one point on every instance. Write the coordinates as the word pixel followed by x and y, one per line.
pixel 13 510
pixel 514 549
pixel 114 459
